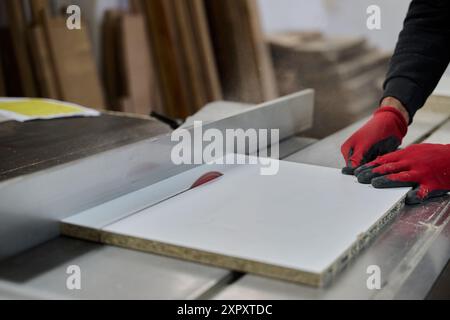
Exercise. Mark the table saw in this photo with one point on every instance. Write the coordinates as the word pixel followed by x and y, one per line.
pixel 74 164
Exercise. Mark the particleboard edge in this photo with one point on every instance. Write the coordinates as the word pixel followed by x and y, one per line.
pixel 213 259
pixel 363 241
pixel 80 232
pixel 193 255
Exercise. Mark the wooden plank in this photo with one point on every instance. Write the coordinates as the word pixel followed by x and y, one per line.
pixel 201 75
pixel 279 229
pixel 164 39
pixel 75 68
pixel 243 59
pixel 205 53
pixel 192 75
pixel 261 52
pixel 38 8
pixel 44 69
pixel 183 55
pixel 112 78
pixel 128 68
pixel 18 27
pixel 138 71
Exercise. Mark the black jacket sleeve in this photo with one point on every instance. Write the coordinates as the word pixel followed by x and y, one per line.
pixel 422 54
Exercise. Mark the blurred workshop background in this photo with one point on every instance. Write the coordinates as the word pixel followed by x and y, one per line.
pixel 172 57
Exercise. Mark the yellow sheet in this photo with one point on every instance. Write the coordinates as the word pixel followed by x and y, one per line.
pixel 31 109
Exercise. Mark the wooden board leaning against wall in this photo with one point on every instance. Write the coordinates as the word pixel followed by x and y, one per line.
pixel 45 73
pixel 201 77
pixel 128 68
pixel 40 54
pixel 183 56
pixel 164 40
pixel 243 58
pixel 138 70
pixel 71 55
pixel 37 8
pixel 110 59
pixel 18 31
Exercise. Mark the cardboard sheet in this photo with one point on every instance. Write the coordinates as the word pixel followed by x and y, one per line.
pixel 301 225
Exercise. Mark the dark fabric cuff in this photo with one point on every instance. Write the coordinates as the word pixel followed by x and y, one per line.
pixel 407 92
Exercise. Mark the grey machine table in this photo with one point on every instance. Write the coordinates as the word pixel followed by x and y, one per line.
pixel 412 252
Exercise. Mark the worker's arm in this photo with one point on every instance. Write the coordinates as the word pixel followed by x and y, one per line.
pixel 421 57
pixel 422 54
pixel 425 167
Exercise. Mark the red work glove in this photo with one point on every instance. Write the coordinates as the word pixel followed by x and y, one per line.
pixel 425 167
pixel 382 134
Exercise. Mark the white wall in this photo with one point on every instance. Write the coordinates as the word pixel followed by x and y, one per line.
pixel 347 17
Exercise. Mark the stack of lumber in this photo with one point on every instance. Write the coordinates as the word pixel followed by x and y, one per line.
pixel 201 51
pixel 46 59
pixel 171 57
pixel 206 50
pixel 183 66
pixel 345 72
pixel 244 63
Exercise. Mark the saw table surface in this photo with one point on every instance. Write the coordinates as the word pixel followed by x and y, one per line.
pixel 107 273
pixel 37 145
pixel 275 225
pixel 412 252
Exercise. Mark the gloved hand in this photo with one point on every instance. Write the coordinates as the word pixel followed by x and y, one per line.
pixel 425 167
pixel 382 134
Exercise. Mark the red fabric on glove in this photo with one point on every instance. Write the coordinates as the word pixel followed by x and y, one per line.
pixel 425 167
pixel 382 134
